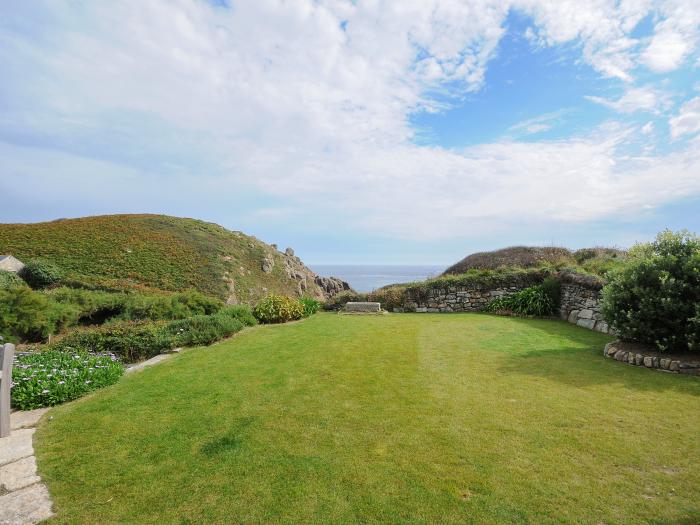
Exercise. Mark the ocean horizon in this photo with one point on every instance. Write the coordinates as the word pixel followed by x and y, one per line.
pixel 368 277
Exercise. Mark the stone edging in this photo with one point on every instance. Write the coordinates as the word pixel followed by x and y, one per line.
pixel 24 499
pixel 615 350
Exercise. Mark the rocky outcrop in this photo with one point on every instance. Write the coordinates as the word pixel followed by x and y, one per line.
pixel 331 285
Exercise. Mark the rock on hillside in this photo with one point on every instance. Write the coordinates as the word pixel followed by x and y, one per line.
pixel 159 252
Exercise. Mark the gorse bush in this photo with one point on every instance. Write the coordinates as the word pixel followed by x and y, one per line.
pixel 655 297
pixel 26 315
pixel 535 300
pixel 340 299
pixel 10 280
pixel 39 273
pixel 51 377
pixel 310 305
pixel 278 309
pixel 175 306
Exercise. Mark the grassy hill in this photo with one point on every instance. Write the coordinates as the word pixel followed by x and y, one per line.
pixel 596 261
pixel 162 253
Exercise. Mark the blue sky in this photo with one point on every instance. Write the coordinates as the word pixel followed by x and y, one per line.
pixel 358 132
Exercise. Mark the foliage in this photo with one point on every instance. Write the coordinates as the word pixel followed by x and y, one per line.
pixel 535 300
pixel 51 377
pixel 340 299
pixel 151 252
pixel 26 315
pixel 551 286
pixel 278 309
pixel 202 329
pixel 310 305
pixel 40 273
pixel 175 306
pixel 597 261
pixel 242 312
pixel 130 340
pixel 655 297
pixel 390 297
pixel 10 280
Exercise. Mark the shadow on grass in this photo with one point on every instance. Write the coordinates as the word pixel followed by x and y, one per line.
pixel 582 364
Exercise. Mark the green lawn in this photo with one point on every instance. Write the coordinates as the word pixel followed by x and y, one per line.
pixel 405 418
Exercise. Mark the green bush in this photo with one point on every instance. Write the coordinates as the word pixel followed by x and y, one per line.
pixel 51 377
pixel 241 312
pixel 130 340
pixel 535 300
pixel 342 298
pixel 310 305
pixel 10 280
pixel 26 315
pixel 175 306
pixel 278 309
pixel 202 329
pixel 390 297
pixel 655 297
pixel 95 306
pixel 39 273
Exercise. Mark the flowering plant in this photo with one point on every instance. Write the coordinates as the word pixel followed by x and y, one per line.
pixel 51 377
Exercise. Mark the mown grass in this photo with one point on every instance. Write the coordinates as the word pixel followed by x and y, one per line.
pixel 410 418
pixel 150 252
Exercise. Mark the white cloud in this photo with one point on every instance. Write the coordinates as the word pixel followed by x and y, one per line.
pixel 635 99
pixel 675 35
pixel 540 123
pixel 687 120
pixel 278 97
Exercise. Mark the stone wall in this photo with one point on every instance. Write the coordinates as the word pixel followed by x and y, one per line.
pixel 459 299
pixel 582 301
pixel 581 298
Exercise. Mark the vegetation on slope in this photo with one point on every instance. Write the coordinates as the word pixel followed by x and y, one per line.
pixel 595 261
pixel 154 252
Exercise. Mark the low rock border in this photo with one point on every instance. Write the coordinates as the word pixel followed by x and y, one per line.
pixel 639 356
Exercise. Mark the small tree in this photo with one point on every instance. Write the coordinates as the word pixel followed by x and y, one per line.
pixel 39 273
pixel 655 297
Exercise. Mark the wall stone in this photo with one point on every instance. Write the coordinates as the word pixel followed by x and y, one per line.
pixel 581 299
pixel 633 354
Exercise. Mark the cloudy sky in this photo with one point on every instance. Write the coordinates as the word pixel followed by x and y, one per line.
pixel 358 131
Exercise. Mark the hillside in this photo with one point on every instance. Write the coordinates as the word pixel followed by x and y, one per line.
pixel 596 261
pixel 164 253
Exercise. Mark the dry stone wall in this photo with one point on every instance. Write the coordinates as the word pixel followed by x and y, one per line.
pixel 581 299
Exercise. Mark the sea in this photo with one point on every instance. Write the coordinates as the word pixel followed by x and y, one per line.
pixel 365 278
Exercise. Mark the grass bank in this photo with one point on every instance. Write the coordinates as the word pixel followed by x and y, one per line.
pixel 462 418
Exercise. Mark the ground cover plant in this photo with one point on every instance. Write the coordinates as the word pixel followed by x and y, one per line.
pixel 655 297
pixel 51 377
pixel 411 418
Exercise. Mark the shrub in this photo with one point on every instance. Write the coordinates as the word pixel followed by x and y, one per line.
pixel 278 309
pixel 390 297
pixel 39 273
pixel 47 378
pixel 341 299
pixel 130 340
pixel 10 280
pixel 655 297
pixel 27 315
pixel 175 306
pixel 95 307
pixel 535 300
pixel 241 312
pixel 310 305
pixel 202 329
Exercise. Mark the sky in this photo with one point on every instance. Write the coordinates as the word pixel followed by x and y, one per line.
pixel 365 132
